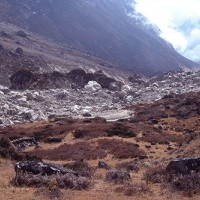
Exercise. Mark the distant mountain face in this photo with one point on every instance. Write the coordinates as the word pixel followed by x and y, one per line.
pixel 109 29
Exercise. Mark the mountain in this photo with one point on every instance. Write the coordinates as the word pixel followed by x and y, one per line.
pixel 108 29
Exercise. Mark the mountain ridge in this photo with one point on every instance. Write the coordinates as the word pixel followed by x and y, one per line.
pixel 102 28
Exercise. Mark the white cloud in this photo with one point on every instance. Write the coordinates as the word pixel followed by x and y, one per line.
pixel 179 22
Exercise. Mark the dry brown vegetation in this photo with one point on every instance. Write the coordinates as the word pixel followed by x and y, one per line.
pixel 67 181
pixel 78 151
pixel 84 142
pixel 161 138
pixel 137 189
pixel 120 149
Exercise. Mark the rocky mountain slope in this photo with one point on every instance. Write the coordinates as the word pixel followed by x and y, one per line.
pixel 21 49
pixel 109 29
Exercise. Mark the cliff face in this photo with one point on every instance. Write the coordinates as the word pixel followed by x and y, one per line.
pixel 101 27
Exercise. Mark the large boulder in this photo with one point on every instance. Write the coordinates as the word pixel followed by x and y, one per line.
pixel 80 78
pixel 93 86
pixel 5 90
pixel 184 165
pixel 22 79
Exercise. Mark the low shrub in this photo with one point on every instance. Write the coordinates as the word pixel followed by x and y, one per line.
pixel 120 149
pixel 188 184
pixel 156 175
pixel 53 140
pixel 51 193
pixel 117 176
pixel 80 133
pixel 161 138
pixel 78 151
pixel 82 167
pixel 67 181
pixel 129 166
pixel 133 189
pixel 120 130
pixel 8 150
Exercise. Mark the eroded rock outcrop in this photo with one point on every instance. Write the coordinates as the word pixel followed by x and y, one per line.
pixel 22 79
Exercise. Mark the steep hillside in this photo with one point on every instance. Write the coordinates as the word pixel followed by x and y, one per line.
pixel 104 28
pixel 20 49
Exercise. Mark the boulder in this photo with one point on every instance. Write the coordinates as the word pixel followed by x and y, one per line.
pixel 5 107
pixel 19 51
pixel 5 90
pixel 39 167
pixel 30 96
pixel 24 142
pixel 126 88
pixel 86 113
pixel 184 165
pixel 129 99
pixel 62 95
pixel 1 94
pixel 22 79
pixel 92 86
pixel 39 98
pixel 80 78
pixel 114 86
pixel 102 164
pixel 1 47
pixel 27 115
pixel 21 34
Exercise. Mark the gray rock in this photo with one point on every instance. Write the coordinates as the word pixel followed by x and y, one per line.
pixel 184 165
pixel 39 98
pixel 92 86
pixel 62 95
pixel 30 96
pixel 5 90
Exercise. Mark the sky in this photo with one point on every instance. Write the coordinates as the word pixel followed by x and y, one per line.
pixel 179 22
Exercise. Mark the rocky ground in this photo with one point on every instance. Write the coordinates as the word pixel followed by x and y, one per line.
pixel 92 100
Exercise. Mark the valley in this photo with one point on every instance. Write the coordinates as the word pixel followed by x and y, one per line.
pixel 94 105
